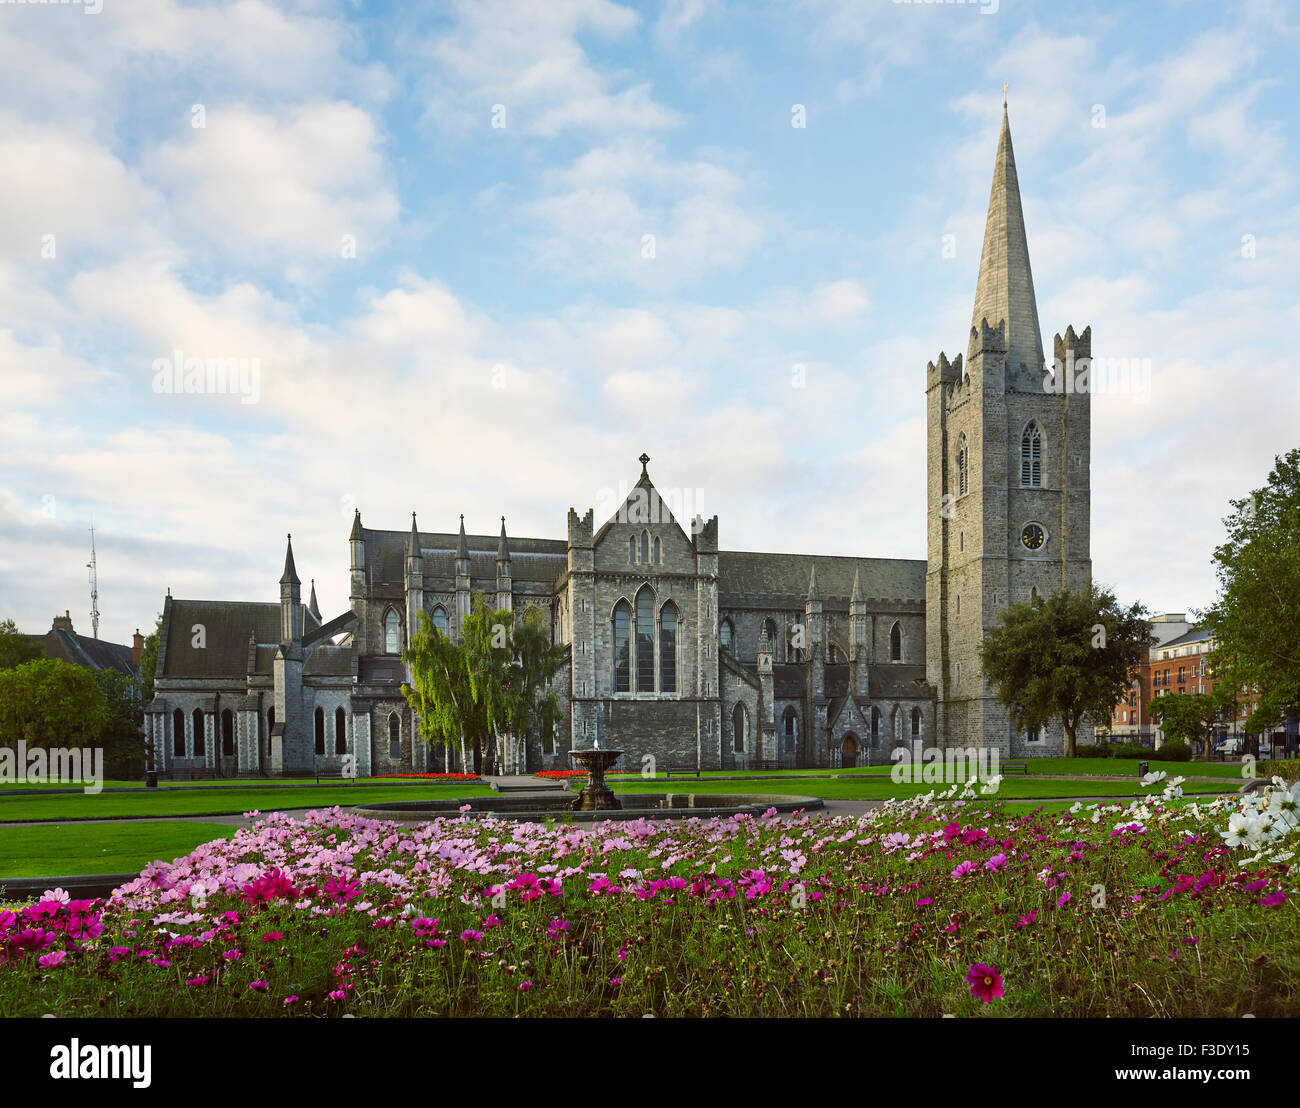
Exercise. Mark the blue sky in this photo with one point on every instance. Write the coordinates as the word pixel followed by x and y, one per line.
pixel 501 344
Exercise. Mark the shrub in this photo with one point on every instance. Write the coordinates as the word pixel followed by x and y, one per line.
pixel 1287 769
pixel 1096 750
pixel 1131 750
pixel 1174 752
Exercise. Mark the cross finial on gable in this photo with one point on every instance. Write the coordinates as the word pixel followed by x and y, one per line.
pixel 645 461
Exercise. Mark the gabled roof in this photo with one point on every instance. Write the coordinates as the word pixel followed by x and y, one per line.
pixel 643 499
pixel 541 560
pixel 226 627
pixel 783 579
pixel 81 650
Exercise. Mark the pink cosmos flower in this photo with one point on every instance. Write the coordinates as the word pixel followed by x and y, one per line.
pixel 964 868
pixel 1272 900
pixel 996 863
pixel 231 955
pixel 471 936
pixel 616 981
pixel 1027 919
pixel 291 1000
pixel 1065 899
pixel 49 961
pixel 338 994
pixel 272 937
pixel 198 981
pixel 524 986
pixel 985 982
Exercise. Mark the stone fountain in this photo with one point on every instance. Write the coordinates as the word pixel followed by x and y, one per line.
pixel 596 796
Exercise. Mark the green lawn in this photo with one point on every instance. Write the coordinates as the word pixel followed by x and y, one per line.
pixel 66 849
pixel 201 802
pixel 1012 788
pixel 1069 767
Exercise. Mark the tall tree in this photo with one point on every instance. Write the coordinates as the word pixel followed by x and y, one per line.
pixel 49 703
pixel 1193 717
pixel 1065 658
pixel 1256 619
pixel 439 689
pixel 537 660
pixel 485 637
pixel 15 647
pixel 123 739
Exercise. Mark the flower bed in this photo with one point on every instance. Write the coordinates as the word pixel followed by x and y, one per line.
pixel 571 774
pixel 927 906
pixel 435 777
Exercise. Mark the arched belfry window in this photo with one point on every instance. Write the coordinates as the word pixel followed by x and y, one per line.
pixel 769 625
pixel 1031 457
pixel 725 635
pixel 896 643
pixel 622 647
pixel 963 460
pixel 392 633
pixel 439 619
pixel 645 640
pixel 668 648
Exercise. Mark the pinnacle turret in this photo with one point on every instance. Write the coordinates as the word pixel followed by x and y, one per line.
pixel 290 575
pixel 503 547
pixel 462 544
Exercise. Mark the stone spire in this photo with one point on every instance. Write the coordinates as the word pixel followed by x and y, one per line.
pixel 856 595
pixel 1005 290
pixel 462 545
pixel 356 527
pixel 290 576
pixel 503 548
pixel 413 547
pixel 814 593
pixel 312 606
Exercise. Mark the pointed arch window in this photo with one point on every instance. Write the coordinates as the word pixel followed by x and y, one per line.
pixel 631 548
pixel 963 460
pixel 178 734
pixel 725 634
pixel 645 546
pixel 394 736
pixel 659 552
pixel 392 633
pixel 320 730
pixel 645 640
pixel 875 726
pixel 668 649
pixel 916 723
pixel 738 727
pixel 622 647
pixel 439 619
pixel 227 733
pixel 340 732
pixel 1031 457
pixel 896 643
pixel 200 744
pixel 270 726
pixel 769 625
pixel 791 729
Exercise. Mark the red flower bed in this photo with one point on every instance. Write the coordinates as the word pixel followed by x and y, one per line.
pixel 424 776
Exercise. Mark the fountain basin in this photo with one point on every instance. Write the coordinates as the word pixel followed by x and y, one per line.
pixel 595 795
pixel 558 807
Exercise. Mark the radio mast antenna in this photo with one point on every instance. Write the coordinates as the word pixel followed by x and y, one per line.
pixel 94 585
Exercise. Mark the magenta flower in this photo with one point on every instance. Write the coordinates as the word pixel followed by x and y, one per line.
pixel 471 936
pixel 198 981
pixel 338 994
pixel 1065 899
pixel 291 1000
pixel 49 961
pixel 1027 918
pixel 231 955
pixel 985 982
pixel 964 868
pixel 1272 900
pixel 272 937
pixel 616 981
pixel 524 986
pixel 996 863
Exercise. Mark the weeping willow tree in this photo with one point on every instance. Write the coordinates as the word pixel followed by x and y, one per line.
pixel 489 685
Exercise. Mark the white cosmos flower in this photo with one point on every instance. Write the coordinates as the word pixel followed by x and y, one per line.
pixel 1152 778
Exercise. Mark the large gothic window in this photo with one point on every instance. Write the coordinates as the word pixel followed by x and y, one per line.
pixel 440 619
pixel 392 633
pixel 963 458
pixel 622 647
pixel 1031 457
pixel 668 649
pixel 340 732
pixel 896 643
pixel 645 640
pixel 738 727
pixel 769 625
pixel 270 726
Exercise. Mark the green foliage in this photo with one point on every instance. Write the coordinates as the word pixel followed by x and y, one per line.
pixel 1065 657
pixel 1286 768
pixel 49 703
pixel 1095 750
pixel 1256 619
pixel 1131 750
pixel 149 662
pixel 1193 717
pixel 1175 752
pixel 125 749
pixel 15 647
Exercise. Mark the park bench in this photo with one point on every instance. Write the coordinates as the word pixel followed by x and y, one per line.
pixel 681 770
pixel 1014 765
pixel 768 764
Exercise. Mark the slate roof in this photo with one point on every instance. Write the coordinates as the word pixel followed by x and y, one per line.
pixel 540 560
pixel 1197 634
pixel 892 679
pixel 84 651
pixel 227 625
pixel 781 580
pixel 329 661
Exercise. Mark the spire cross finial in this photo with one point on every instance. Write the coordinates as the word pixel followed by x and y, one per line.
pixel 645 461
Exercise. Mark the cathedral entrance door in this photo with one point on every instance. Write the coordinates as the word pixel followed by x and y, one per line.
pixel 849 752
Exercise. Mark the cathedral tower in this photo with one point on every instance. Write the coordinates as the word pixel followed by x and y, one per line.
pixel 1008 478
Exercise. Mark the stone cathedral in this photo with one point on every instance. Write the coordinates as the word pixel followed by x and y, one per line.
pixel 676 647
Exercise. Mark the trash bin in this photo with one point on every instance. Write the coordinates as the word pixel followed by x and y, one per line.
pixel 151 779
pixel 1144 768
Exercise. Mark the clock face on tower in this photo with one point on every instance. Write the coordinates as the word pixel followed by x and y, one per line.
pixel 1032 536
